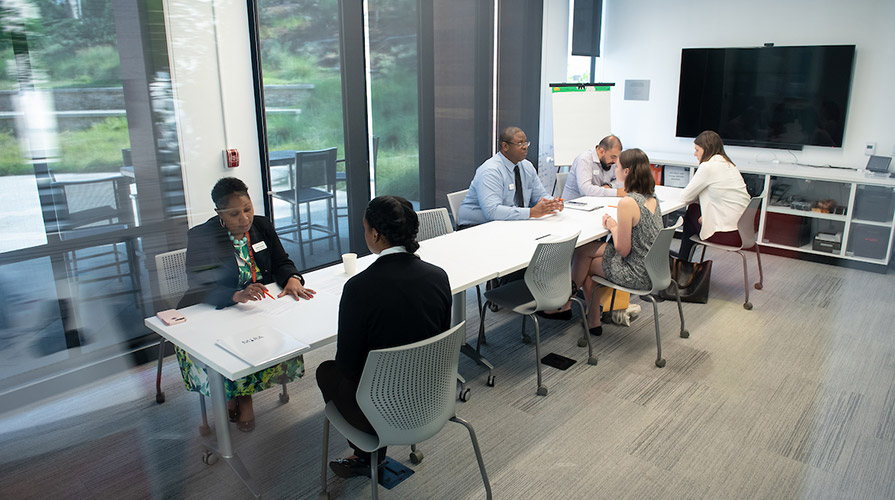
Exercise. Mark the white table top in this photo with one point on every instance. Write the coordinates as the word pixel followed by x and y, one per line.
pixel 469 257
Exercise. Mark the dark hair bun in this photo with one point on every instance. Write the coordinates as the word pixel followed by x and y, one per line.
pixel 224 188
pixel 394 218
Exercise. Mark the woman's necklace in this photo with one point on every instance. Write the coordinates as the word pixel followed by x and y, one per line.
pixel 238 242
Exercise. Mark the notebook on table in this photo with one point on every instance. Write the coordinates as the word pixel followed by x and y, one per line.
pixel 584 203
pixel 261 345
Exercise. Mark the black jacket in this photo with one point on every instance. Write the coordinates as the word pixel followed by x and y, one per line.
pixel 396 301
pixel 211 265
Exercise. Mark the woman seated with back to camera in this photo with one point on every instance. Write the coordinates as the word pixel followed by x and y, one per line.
pixel 396 301
pixel 717 196
pixel 228 259
pixel 621 260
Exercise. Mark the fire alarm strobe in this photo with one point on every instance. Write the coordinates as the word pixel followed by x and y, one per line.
pixel 231 158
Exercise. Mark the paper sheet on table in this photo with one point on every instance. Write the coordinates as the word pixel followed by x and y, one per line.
pixel 586 204
pixel 261 344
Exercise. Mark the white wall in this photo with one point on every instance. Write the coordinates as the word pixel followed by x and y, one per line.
pixel 197 93
pixel 644 38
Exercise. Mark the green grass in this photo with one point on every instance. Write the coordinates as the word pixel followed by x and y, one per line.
pixel 97 149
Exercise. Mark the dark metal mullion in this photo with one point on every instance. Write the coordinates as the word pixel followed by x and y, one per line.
pixel 530 114
pixel 426 100
pixel 354 118
pixel 482 98
pixel 261 117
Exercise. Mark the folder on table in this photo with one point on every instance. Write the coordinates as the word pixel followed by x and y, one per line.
pixel 261 345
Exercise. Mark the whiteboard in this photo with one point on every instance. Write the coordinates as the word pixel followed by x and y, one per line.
pixel 580 119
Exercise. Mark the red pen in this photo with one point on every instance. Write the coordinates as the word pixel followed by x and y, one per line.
pixel 269 295
pixel 612 206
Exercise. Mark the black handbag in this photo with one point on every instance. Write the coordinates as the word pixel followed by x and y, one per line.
pixel 692 279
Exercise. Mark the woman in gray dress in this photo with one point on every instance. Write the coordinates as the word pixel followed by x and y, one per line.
pixel 639 220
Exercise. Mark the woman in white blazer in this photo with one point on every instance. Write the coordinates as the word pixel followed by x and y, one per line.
pixel 716 196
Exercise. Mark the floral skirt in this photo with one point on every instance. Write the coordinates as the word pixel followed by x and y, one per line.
pixel 196 379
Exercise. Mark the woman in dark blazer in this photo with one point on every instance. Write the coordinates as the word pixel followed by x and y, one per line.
pixel 229 258
pixel 396 301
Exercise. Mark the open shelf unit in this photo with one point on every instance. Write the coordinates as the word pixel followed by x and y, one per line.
pixel 853 212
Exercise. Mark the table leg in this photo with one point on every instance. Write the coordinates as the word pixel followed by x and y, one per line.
pixel 224 447
pixel 458 314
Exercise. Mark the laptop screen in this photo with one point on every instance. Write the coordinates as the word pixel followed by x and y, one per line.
pixel 878 163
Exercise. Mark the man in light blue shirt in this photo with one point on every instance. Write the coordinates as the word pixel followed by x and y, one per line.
pixel 494 191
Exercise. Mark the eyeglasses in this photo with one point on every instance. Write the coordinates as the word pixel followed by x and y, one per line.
pixel 521 144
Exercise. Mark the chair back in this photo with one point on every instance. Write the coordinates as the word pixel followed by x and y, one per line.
pixel 434 222
pixel 549 274
pixel 91 202
pixel 314 169
pixel 560 184
pixel 170 267
pixel 454 201
pixel 746 224
pixel 408 393
pixel 656 260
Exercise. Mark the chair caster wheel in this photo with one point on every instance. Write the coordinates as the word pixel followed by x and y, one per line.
pixel 160 398
pixel 490 382
pixel 526 339
pixel 209 458
pixel 582 342
pixel 284 398
pixel 493 307
pixel 685 334
pixel 204 430
pixel 464 395
pixel 416 457
pixel 758 286
pixel 324 495
pixel 542 391
pixel 747 306
pixel 660 363
pixel 592 361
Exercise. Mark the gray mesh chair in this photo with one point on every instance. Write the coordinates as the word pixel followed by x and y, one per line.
pixel 746 228
pixel 659 273
pixel 407 394
pixel 560 184
pixel 454 201
pixel 433 223
pixel 547 286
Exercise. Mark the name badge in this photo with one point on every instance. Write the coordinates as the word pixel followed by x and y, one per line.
pixel 259 246
pixel 512 187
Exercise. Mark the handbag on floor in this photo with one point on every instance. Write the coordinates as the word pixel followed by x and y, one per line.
pixel 692 278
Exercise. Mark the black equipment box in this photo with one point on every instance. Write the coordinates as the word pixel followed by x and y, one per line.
pixel 827 242
pixel 873 203
pixel 786 229
pixel 868 241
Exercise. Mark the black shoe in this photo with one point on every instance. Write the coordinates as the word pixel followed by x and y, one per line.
pixel 352 467
pixel 596 331
pixel 561 315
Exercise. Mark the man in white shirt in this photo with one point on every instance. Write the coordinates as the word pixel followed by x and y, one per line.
pixel 593 172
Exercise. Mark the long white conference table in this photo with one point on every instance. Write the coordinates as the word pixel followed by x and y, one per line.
pixel 469 257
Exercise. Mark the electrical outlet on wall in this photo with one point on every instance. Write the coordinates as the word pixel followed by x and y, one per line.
pixel 870 148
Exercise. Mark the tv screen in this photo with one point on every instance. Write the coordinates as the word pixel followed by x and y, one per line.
pixel 783 97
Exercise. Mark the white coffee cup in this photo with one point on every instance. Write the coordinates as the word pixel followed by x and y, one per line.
pixel 349 261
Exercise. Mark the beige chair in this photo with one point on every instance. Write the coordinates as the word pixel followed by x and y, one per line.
pixel 746 228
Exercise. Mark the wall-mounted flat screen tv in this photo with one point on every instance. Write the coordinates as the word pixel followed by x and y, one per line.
pixel 779 97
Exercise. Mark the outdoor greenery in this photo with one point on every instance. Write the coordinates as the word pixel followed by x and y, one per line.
pixel 299 43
